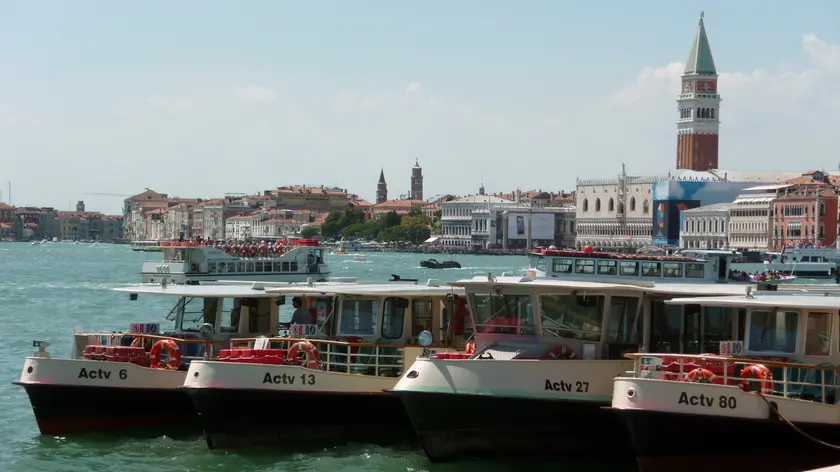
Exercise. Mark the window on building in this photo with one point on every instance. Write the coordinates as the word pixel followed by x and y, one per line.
pixel 597 204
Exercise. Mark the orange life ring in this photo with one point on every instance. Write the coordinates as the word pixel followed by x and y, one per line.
pixel 562 352
pixel 760 372
pixel 313 357
pixel 470 350
pixel 173 353
pixel 700 375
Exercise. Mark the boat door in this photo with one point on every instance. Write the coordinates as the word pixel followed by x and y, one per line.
pixel 723 268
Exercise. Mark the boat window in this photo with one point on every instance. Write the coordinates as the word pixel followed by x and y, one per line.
pixel 193 319
pixel 359 316
pixel 584 266
pixel 503 314
pixel 393 317
pixel 231 311
pixel 240 267
pixel 293 266
pixel 666 323
pixel 231 267
pixel 628 268
pixel 541 263
pixel 211 267
pixel 532 261
pixel 673 269
pixel 562 265
pixel 818 334
pixel 606 267
pixel 277 266
pixel 717 326
pixel 651 269
pixel 222 267
pixel 258 266
pixel 285 267
pixel 773 331
pixel 249 267
pixel 624 321
pixel 259 315
pixel 694 270
pixel 421 316
pixel 572 316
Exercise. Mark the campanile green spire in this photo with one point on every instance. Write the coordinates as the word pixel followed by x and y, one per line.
pixel 700 61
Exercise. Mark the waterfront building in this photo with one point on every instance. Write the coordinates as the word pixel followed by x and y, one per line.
pixel 488 221
pixel 705 227
pixel 750 218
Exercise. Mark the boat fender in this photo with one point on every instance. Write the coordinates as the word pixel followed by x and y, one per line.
pixel 562 352
pixel 470 349
pixel 700 375
pixel 173 354
pixel 760 372
pixel 305 354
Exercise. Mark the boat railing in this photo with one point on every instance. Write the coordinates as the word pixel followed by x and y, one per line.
pixel 380 360
pixel 191 349
pixel 781 378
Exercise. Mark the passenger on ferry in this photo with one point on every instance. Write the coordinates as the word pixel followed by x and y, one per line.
pixel 301 314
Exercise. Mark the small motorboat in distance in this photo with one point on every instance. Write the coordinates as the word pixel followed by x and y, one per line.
pixel 435 264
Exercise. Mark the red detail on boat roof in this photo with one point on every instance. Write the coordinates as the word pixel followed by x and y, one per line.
pixel 609 255
pixel 307 242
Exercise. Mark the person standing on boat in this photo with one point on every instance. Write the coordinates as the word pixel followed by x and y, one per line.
pixel 301 316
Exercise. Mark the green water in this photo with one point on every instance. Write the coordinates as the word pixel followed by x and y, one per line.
pixel 46 291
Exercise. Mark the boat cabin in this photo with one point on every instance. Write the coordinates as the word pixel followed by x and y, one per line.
pixel 369 328
pixel 189 262
pixel 695 266
pixel 530 318
pixel 231 310
pixel 795 335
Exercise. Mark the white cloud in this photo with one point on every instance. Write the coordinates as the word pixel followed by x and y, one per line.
pixel 255 93
pixel 825 55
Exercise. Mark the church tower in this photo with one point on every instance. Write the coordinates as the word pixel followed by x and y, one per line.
pixel 381 188
pixel 698 106
pixel 416 181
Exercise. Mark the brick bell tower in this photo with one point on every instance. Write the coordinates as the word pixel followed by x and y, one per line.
pixel 698 106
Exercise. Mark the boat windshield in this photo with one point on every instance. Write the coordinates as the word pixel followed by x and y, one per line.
pixel 572 316
pixel 359 317
pixel 503 313
pixel 535 261
pixel 197 314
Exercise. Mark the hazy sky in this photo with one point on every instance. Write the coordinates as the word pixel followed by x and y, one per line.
pixel 199 98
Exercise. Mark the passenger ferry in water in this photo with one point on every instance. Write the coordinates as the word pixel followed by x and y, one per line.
pixel 188 262
pixel 691 266
pixel 327 379
pixel 547 350
pixel 769 398
pixel 127 381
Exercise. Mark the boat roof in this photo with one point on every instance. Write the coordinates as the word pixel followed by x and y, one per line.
pixel 228 289
pixel 396 289
pixel 825 300
pixel 195 291
pixel 549 284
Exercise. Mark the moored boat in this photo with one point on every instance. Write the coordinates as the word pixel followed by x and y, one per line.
pixel 547 352
pixel 690 266
pixel 435 264
pixel 330 382
pixel 127 381
pixel 769 398
pixel 187 262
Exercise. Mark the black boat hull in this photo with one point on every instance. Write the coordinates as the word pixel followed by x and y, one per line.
pixel 457 426
pixel 62 410
pixel 233 418
pixel 695 443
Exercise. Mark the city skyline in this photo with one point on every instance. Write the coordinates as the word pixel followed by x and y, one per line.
pixel 195 109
